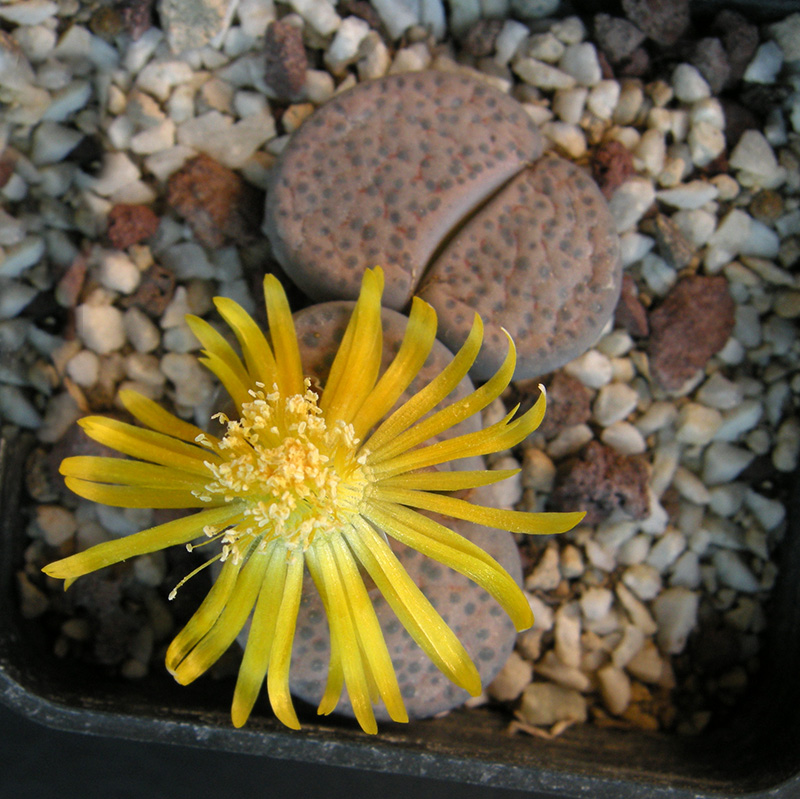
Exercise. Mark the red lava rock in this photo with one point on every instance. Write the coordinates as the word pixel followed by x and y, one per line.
pixel 599 481
pixel 709 56
pixel 739 38
pixel 216 202
pixel 286 59
pixel 136 16
pixel 69 288
pixel 664 21
pixel 689 327
pixel 155 291
pixel 568 404
pixel 479 40
pixel 617 37
pixel 612 165
pixel 630 313
pixel 130 224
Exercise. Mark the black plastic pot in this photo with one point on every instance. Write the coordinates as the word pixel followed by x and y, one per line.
pixel 757 755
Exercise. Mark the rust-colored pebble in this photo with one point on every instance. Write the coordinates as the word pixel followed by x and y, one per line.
pixel 130 224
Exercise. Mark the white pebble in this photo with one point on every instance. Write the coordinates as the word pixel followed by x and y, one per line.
pixel 690 486
pixel 160 77
pixel 634 246
pixel 625 438
pixel 697 424
pixel 595 603
pixel 541 75
pixel 706 142
pixel 630 201
pixel 766 64
pixel 538 470
pixel 568 104
pixel 732 572
pixel 647 664
pixel 696 225
pixel 675 611
pixel 769 512
pixel 719 392
pixel 511 36
pixel 567 634
pixel 755 159
pixel 614 403
pixel 666 550
pixel 569 440
pixel 17 409
pixel 580 61
pixel 343 49
pixel 615 689
pixel 140 330
pixel 739 420
pixel 569 139
pixel 603 98
pixel 551 668
pixel 84 368
pixel 53 142
pixel 658 416
pixel 689 85
pixel 723 462
pixel 544 47
pixel 593 369
pixel 643 580
pixel 689 196
pixel 686 571
pixel 787 449
pixel 512 680
pixel 100 327
pixel 546 703
pixel 638 612
pixel 545 575
pixel 21 256
pixel 658 274
pixel 118 273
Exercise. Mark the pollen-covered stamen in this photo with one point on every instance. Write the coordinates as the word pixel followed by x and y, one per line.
pixel 294 475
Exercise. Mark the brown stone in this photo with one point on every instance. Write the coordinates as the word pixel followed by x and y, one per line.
pixel 216 202
pixel 674 247
pixel 690 326
pixel 286 59
pixel 664 21
pixel 480 39
pixel 600 480
pixel 155 291
pixel 130 224
pixel 612 165
pixel 630 313
pixel 568 402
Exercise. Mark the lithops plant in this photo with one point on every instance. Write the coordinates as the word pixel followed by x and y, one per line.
pixel 382 173
pixel 441 180
pixel 541 260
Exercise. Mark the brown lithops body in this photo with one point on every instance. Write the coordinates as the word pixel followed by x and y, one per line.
pixel 540 260
pixel 382 173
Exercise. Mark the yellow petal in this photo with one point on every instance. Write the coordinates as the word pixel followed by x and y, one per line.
pixel 499 436
pixel 369 632
pixel 205 616
pixel 358 359
pixel 238 390
pixel 214 344
pixel 446 481
pixel 412 608
pixel 415 530
pixel 148 445
pixel 284 338
pixel 159 419
pixel 255 347
pixel 259 640
pixel 132 473
pixel 430 396
pixel 513 520
pixel 228 625
pixel 281 654
pixel 179 531
pixel 454 413
pixel 414 350
pixel 343 630
pixel 138 496
pixel 335 681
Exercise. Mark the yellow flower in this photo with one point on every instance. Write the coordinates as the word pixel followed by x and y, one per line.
pixel 318 480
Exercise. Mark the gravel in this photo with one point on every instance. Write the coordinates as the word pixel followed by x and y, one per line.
pixel 184 122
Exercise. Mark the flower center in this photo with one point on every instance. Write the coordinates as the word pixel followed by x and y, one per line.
pixel 295 476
